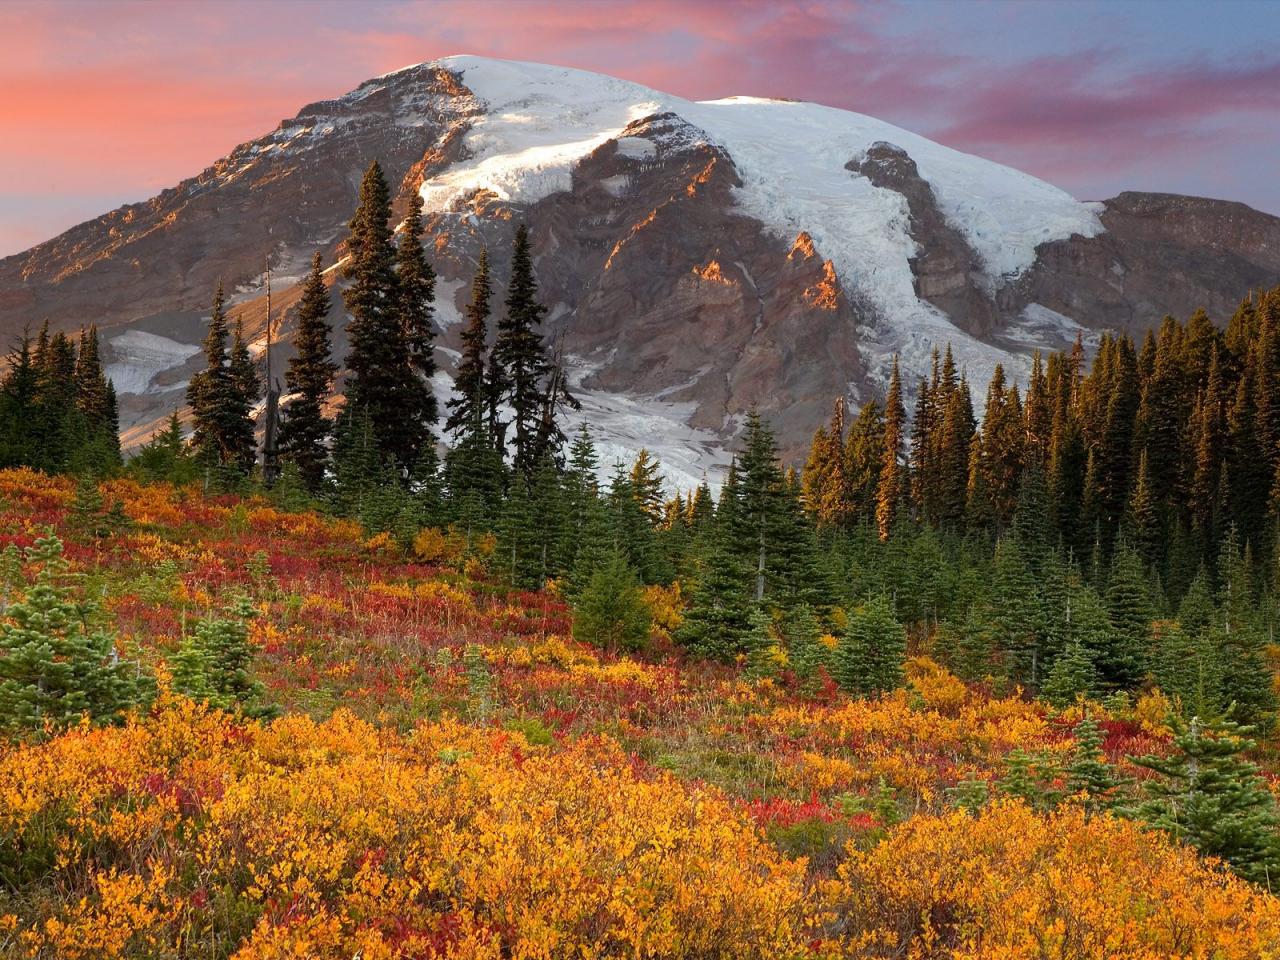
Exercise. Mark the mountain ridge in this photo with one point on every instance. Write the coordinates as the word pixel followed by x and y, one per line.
pixel 699 258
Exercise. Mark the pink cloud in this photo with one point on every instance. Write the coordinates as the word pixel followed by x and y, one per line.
pixel 114 99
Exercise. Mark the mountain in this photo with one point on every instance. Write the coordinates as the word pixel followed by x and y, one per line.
pixel 699 258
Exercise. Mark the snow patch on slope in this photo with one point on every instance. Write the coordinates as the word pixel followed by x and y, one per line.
pixel 539 123
pixel 139 357
pixel 623 425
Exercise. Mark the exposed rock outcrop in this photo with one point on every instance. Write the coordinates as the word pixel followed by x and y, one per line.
pixel 948 272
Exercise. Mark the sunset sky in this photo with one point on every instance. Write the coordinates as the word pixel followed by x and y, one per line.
pixel 103 103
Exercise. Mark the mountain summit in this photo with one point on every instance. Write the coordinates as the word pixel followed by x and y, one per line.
pixel 699 258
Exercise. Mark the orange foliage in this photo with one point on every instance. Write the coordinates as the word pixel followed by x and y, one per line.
pixel 344 840
pixel 1012 884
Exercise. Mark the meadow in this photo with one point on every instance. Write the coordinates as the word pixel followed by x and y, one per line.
pixel 445 772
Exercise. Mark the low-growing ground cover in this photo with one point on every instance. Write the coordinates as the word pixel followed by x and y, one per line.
pixel 453 775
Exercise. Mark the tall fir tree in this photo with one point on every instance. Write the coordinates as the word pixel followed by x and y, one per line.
pixel 222 433
pixel 417 283
pixel 304 427
pixel 521 354
pixel 382 386
pixel 760 495
pixel 246 391
pixel 892 482
pixel 468 407
pixel 863 455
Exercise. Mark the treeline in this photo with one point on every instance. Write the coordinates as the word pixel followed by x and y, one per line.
pixel 1166 446
pixel 57 407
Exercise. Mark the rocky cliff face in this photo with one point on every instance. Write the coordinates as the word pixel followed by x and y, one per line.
pixel 699 259
pixel 1161 254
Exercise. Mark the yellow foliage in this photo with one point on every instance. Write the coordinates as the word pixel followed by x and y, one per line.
pixel 666 607
pixel 839 619
pixel 382 543
pixel 938 687
pixel 23 484
pixel 554 650
pixel 1152 712
pixel 350 839
pixel 444 592
pixel 818 773
pixel 316 601
pixel 627 671
pixel 1013 884
pixel 397 591
pixel 485 545
pixel 433 545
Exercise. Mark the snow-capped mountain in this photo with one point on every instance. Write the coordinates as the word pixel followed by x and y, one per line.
pixel 699 258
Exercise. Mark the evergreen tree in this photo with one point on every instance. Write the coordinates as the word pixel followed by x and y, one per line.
pixel 1247 678
pixel 957 431
pixel 802 631
pixel 718 619
pixel 519 542
pixel 582 503
pixel 86 510
pixel 215 665
pixel 1088 773
pixel 824 486
pixel 1016 615
pixel 1072 675
pixel 863 453
pixel 1186 667
pixel 468 407
pixel 1141 520
pixel 18 395
pixel 552 531
pixel 892 483
pixel 1130 613
pixel 1208 795
pixel 308 379
pixel 1196 612
pixel 1020 780
pixel 165 457
pixel 521 354
pixel 212 395
pixel 358 467
pixel 610 612
pixel 95 409
pixel 760 499
pixel 246 390
pixel 382 386
pixel 633 529
pixel 869 657
pixel 646 485
pixel 55 667
pixel 967 647
pixel 417 288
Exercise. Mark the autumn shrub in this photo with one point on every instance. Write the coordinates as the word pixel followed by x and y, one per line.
pixel 1013 884
pixel 341 839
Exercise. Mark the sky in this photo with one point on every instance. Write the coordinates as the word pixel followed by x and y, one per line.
pixel 108 102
